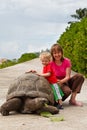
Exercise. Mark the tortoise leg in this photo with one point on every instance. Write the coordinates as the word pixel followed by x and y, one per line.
pixel 48 108
pixel 32 105
pixel 10 105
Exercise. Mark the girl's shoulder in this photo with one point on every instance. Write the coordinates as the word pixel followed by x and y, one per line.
pixel 67 61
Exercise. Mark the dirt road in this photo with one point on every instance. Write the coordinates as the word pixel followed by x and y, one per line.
pixel 75 118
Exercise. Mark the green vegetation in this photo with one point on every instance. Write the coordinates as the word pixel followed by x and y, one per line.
pixel 80 14
pixel 23 58
pixel 27 57
pixel 74 43
pixel 7 63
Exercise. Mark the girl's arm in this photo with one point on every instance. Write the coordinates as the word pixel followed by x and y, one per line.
pixel 33 71
pixel 68 72
pixel 44 74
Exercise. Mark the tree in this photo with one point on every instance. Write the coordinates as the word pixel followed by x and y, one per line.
pixel 74 43
pixel 80 14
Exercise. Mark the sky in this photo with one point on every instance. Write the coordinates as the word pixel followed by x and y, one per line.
pixel 33 25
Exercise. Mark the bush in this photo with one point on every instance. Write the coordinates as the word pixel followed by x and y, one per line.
pixel 74 43
pixel 26 57
pixel 23 58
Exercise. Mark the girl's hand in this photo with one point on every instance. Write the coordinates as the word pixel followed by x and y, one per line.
pixel 59 82
pixel 31 71
pixel 38 74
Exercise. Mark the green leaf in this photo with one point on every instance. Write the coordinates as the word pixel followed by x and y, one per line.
pixel 46 114
pixel 56 119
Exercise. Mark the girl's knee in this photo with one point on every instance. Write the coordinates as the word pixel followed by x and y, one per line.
pixel 81 77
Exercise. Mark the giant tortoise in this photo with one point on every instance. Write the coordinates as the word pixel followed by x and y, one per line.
pixel 29 93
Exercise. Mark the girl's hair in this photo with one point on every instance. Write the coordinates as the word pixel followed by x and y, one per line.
pixel 56 48
pixel 45 55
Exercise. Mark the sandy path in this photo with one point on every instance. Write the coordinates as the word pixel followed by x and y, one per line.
pixel 75 117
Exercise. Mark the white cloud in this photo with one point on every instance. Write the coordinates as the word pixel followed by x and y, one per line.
pixel 33 25
pixel 9 49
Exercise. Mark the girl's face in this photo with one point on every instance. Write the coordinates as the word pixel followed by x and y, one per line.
pixel 57 55
pixel 45 61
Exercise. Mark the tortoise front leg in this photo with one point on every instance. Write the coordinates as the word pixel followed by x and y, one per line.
pixel 10 105
pixel 48 108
